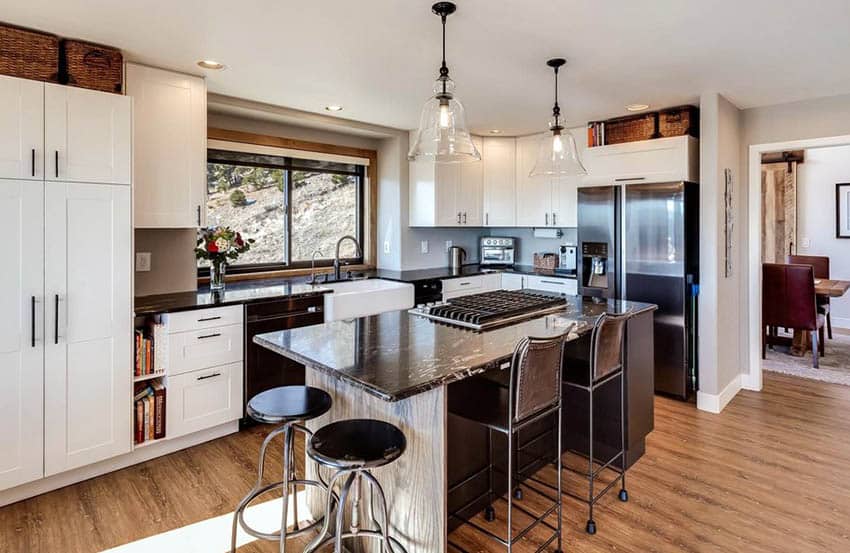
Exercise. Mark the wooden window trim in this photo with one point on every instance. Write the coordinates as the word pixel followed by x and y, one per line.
pixel 370 216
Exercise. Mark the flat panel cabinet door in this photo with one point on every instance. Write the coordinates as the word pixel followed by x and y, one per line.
pixel 565 201
pixel 533 194
pixel 86 135
pixel 169 147
pixel 499 159
pixel 88 352
pixel 470 201
pixel 22 124
pixel 21 332
pixel 446 189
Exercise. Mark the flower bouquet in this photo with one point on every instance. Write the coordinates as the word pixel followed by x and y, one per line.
pixel 220 245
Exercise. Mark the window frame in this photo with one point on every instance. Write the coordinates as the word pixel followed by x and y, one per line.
pixel 288 166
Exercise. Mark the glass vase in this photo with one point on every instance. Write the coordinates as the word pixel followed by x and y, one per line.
pixel 218 268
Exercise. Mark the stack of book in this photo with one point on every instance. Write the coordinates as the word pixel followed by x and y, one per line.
pixel 596 134
pixel 150 412
pixel 151 349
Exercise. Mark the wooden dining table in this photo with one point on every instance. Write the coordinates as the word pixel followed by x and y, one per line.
pixel 830 288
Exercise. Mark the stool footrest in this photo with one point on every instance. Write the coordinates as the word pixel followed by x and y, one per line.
pixel 275 536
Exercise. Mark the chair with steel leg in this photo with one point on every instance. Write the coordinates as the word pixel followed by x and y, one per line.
pixel 353 448
pixel 606 365
pixel 533 394
pixel 286 405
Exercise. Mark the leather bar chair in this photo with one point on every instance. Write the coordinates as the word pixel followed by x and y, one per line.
pixel 533 394
pixel 820 265
pixel 606 365
pixel 788 300
pixel 353 448
pixel 287 406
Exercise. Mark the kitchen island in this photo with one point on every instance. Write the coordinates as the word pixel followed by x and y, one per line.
pixel 400 368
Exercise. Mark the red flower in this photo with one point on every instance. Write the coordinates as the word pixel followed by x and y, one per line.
pixel 238 240
pixel 211 247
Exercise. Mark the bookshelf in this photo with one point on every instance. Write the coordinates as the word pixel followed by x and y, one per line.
pixel 150 380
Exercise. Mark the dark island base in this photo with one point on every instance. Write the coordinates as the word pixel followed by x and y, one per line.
pixel 467 441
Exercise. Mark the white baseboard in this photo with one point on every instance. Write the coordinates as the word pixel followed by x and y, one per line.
pixel 139 455
pixel 840 322
pixel 749 383
pixel 715 403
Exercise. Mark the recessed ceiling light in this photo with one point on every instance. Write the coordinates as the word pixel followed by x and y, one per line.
pixel 333 107
pixel 210 64
pixel 637 107
pixel 495 131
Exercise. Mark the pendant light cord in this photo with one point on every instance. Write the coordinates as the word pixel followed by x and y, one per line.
pixel 556 110
pixel 444 70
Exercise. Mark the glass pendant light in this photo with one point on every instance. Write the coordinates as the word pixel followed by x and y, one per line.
pixel 442 135
pixel 558 154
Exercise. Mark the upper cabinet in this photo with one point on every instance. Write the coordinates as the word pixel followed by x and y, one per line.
pixel 542 201
pixel 659 160
pixel 446 194
pixel 499 160
pixel 86 135
pixel 22 121
pixel 170 147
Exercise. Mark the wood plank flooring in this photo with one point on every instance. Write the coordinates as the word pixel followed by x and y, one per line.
pixel 771 474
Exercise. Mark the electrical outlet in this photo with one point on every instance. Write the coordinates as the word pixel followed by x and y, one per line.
pixel 448 244
pixel 423 246
pixel 386 246
pixel 143 262
pixel 806 243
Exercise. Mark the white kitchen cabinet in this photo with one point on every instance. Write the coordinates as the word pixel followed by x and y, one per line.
pixel 169 147
pixel 476 284
pixel 552 284
pixel 86 135
pixel 21 129
pixel 203 398
pixel 659 160
pixel 205 347
pixel 88 349
pixel 446 194
pixel 565 201
pixel 534 195
pixel 513 281
pixel 499 170
pixel 21 332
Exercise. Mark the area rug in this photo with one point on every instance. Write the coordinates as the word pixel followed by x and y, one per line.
pixel 834 367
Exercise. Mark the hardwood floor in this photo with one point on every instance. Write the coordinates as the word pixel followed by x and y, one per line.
pixel 771 474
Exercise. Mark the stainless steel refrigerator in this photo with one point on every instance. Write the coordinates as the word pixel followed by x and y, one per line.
pixel 640 242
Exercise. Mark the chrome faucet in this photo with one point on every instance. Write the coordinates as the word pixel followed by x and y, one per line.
pixel 313 279
pixel 359 252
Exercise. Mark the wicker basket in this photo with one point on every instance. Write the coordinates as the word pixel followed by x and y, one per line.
pixel 631 128
pixel 679 121
pixel 93 66
pixel 545 261
pixel 28 54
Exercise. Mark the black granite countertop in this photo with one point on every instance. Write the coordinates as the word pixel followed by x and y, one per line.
pixel 397 355
pixel 235 293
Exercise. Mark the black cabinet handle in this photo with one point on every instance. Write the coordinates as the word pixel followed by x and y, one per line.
pixel 547 219
pixel 465 283
pixel 199 215
pixel 32 320
pixel 208 319
pixel 552 282
pixel 213 375
pixel 209 336
pixel 56 320
pixel 57 163
pixel 630 178
pixel 458 217
pixel 553 218
pixel 33 162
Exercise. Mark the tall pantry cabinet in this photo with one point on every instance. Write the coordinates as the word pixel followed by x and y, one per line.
pixel 65 289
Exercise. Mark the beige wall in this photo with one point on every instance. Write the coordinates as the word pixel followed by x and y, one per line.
pixel 172 261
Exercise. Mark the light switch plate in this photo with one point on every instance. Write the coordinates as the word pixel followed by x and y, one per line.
pixel 386 246
pixel 423 246
pixel 806 243
pixel 143 262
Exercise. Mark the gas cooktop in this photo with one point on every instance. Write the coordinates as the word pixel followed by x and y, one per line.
pixel 492 309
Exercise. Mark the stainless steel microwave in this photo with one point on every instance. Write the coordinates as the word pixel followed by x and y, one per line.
pixel 497 250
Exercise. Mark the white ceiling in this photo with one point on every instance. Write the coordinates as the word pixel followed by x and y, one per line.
pixel 378 58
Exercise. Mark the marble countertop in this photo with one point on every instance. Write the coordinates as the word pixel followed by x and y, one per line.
pixel 397 355
pixel 235 293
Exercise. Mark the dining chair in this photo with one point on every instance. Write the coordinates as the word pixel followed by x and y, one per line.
pixel 788 300
pixel 820 264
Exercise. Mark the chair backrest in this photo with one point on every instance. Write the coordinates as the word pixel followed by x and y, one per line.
pixel 819 263
pixel 606 345
pixel 536 374
pixel 788 296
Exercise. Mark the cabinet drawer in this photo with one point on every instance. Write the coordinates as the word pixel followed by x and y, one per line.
pixel 203 399
pixel 200 349
pixel 552 284
pixel 512 281
pixel 204 318
pixel 468 285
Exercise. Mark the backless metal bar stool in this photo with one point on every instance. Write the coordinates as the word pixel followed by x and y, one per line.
pixel 534 393
pixel 286 405
pixel 606 364
pixel 352 448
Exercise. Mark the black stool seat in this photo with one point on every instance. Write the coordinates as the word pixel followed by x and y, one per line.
pixel 288 403
pixel 357 443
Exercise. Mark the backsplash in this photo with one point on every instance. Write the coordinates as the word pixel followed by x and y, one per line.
pixel 527 244
pixel 173 266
